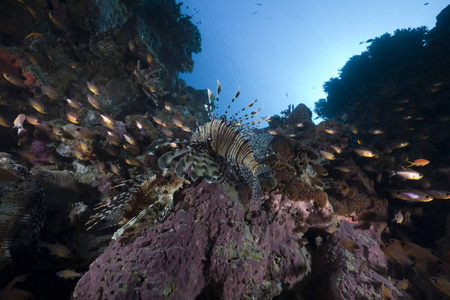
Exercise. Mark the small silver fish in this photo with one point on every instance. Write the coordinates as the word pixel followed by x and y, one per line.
pixel 408 174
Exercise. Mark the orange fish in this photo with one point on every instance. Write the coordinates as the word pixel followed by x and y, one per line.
pixel 85 146
pixel 418 162
pixel 442 283
pixel 34 34
pixel 129 139
pixel 115 169
pixel 14 80
pixel 75 104
pixel 5 122
pixel 38 105
pixel 58 23
pixel 102 167
pixel 50 92
pixel 133 149
pixel 327 155
pixel 386 292
pixel 57 249
pixel 132 161
pixel 93 88
pixel 33 120
pixel 349 244
pixel 73 117
pixel 86 133
pixel 94 102
pixel 31 10
pixel 108 121
pixel 113 138
pixel 18 123
pixel 68 274
pixel 78 154
pixel 57 130
pixel 159 121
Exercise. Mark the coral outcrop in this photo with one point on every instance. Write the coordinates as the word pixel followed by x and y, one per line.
pixel 209 247
pixel 353 274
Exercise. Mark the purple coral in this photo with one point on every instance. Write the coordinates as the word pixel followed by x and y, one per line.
pixel 208 247
pixel 341 266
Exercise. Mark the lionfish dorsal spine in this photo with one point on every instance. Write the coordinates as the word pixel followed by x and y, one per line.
pixel 243 109
pixel 219 87
pixel 208 111
pixel 253 123
pixel 232 100
pixel 210 107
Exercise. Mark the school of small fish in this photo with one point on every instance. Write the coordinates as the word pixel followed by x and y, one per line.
pixel 407 184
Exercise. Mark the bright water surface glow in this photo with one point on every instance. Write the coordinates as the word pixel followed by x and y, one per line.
pixel 283 51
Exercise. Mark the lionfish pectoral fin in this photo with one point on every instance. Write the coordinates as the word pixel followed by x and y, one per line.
pixel 205 167
pixel 165 160
pixel 183 166
pixel 211 172
pixel 131 222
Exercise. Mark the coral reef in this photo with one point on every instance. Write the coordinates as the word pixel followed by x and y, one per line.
pixel 86 86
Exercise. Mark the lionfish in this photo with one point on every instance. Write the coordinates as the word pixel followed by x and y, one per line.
pixel 215 150
pixel 220 146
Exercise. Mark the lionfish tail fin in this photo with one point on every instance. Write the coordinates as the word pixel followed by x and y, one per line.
pixel 257 191
pixel 253 179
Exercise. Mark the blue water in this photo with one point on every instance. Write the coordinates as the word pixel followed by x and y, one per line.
pixel 282 52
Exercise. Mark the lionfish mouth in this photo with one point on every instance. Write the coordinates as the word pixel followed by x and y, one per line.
pixel 221 144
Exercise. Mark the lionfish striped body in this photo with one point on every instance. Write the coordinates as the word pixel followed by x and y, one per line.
pixel 217 146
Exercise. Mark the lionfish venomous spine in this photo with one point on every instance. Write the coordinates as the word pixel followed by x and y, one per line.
pixel 219 145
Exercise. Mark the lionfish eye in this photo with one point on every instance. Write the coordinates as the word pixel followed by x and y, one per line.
pixel 168 177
